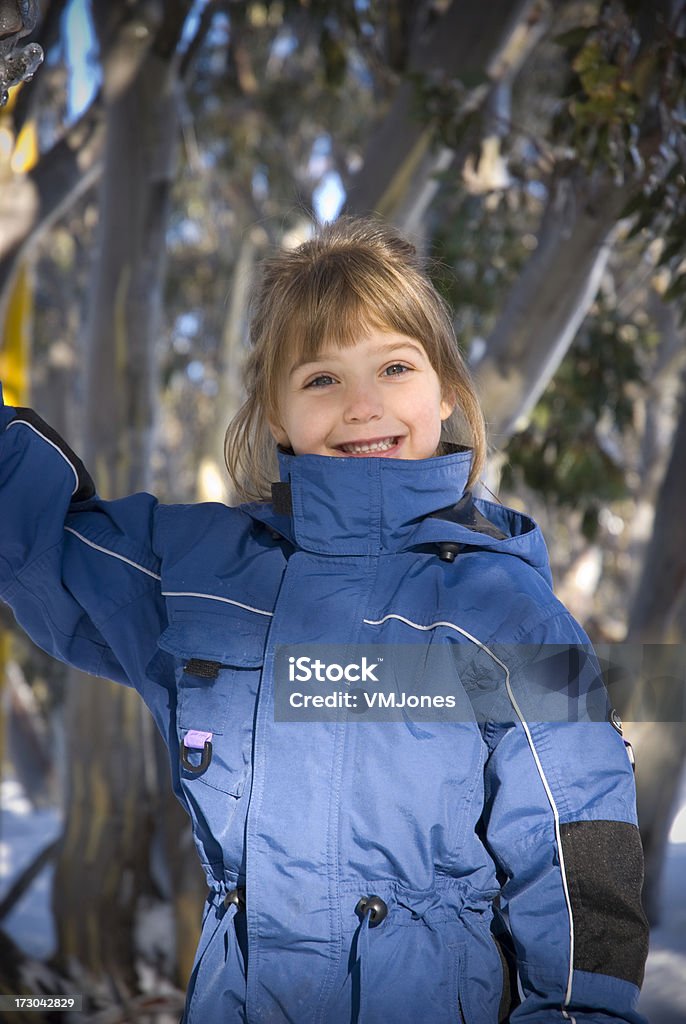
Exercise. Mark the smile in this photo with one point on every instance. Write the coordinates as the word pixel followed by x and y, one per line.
pixel 367 447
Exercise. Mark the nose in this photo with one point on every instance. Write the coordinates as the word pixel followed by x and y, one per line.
pixel 363 403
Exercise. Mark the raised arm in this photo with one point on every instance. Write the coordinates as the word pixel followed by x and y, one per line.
pixel 561 826
pixel 79 573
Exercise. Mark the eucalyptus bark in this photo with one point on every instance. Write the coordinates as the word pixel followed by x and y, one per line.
pixel 657 704
pixel 31 203
pixel 468 42
pixel 662 585
pixel 549 300
pixel 230 392
pixel 114 782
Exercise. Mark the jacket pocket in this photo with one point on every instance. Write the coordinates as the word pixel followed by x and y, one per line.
pixel 478 990
pixel 412 971
pixel 219 661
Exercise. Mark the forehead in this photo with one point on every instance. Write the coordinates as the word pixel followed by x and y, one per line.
pixel 304 337
pixel 333 303
pixel 374 344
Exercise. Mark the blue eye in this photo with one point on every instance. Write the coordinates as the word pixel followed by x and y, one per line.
pixel 396 370
pixel 323 380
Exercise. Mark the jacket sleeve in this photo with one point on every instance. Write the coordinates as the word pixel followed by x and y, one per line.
pixel 79 573
pixel 561 825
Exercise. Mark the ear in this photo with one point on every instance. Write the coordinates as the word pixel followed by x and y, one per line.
pixel 279 434
pixel 448 403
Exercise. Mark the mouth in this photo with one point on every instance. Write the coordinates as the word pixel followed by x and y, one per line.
pixel 374 446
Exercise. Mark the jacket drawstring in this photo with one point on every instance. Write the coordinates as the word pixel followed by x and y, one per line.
pixel 372 910
pixel 224 913
pixel 234 901
pixel 362 948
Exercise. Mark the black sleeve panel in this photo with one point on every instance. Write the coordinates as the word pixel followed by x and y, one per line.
pixel 604 869
pixel 85 488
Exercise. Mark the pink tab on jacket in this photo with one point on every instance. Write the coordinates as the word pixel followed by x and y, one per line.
pixel 195 739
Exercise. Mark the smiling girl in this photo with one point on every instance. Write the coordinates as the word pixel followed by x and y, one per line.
pixel 481 866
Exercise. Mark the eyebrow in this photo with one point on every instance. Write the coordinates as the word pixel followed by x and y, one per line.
pixel 390 346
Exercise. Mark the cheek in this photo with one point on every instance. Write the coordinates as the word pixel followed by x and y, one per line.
pixel 427 414
pixel 306 428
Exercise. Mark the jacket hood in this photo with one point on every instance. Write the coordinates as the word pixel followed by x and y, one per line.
pixel 337 506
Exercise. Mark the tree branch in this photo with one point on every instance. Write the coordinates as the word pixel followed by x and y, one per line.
pixel 204 23
pixel 63 173
pixel 545 307
pixel 466 41
pixel 22 884
pixel 30 205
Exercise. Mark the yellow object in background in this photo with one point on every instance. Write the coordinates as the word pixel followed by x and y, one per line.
pixel 25 154
pixel 16 340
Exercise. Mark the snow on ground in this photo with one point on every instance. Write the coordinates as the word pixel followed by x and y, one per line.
pixel 24 832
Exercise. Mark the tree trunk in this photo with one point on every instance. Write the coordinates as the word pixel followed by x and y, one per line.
pixel 550 299
pixel 468 41
pixel 30 203
pixel 656 707
pixel 663 578
pixel 113 782
pixel 212 483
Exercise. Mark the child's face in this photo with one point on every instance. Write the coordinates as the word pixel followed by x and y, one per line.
pixel 380 397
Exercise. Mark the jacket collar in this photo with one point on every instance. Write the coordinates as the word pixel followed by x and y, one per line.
pixel 366 506
pixel 377 506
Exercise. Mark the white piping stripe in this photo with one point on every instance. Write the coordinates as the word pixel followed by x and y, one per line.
pixel 214 597
pixel 113 554
pixel 167 593
pixel 47 440
pixel 432 625
pixel 539 767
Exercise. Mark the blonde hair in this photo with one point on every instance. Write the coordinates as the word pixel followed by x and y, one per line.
pixel 353 275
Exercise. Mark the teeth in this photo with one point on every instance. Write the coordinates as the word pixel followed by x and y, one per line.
pixel 378 446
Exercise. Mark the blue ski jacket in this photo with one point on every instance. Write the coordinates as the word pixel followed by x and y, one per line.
pixel 373 865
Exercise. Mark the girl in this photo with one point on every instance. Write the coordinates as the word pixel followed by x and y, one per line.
pixel 363 866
